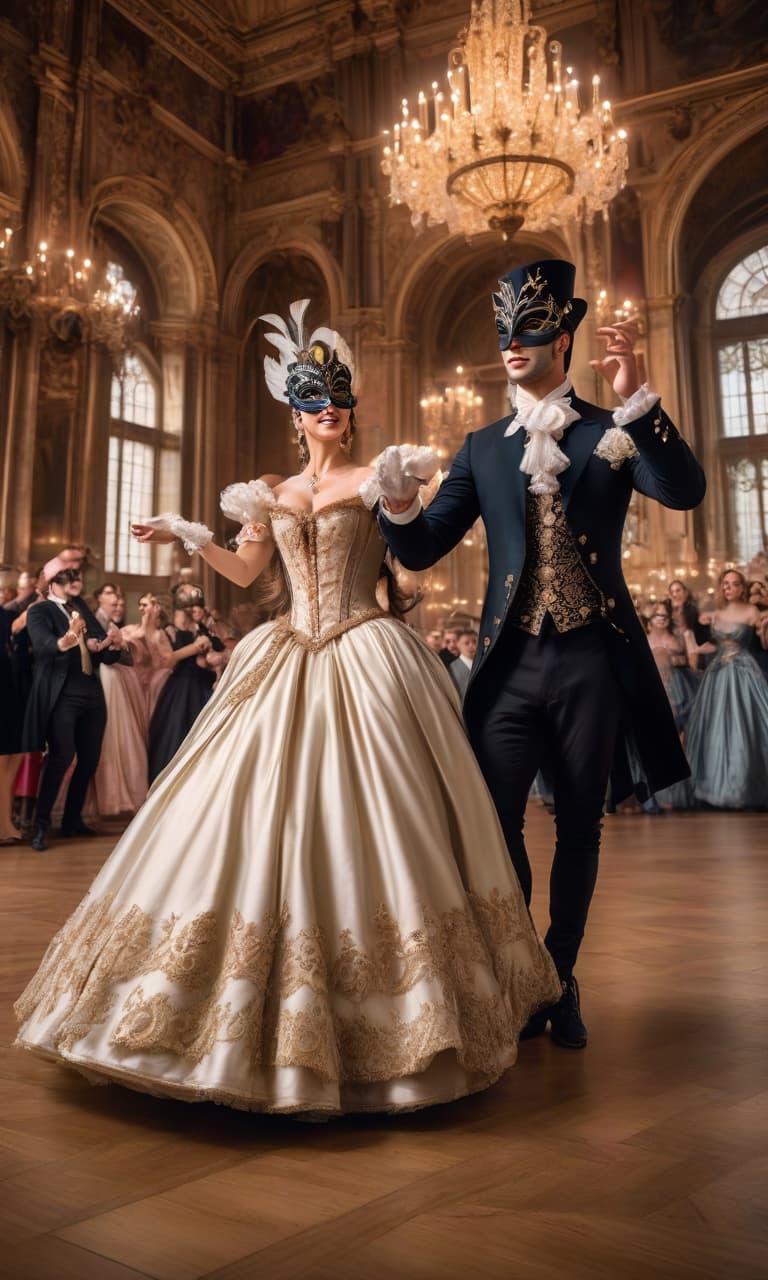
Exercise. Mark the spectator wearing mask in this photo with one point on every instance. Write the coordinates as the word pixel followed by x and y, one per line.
pixel 66 707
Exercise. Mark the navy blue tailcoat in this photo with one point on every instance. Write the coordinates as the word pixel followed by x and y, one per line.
pixel 485 481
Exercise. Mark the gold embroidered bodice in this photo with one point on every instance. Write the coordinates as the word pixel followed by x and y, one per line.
pixel 332 560
pixel 554 580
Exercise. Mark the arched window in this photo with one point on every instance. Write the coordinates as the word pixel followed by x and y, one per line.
pixel 741 336
pixel 144 452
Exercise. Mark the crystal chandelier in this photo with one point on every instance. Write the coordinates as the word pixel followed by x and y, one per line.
pixel 449 415
pixel 509 142
pixel 63 291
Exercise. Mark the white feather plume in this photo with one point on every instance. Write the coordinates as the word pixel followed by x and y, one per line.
pixel 289 339
pixel 298 311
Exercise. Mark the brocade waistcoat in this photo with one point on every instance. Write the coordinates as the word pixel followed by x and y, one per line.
pixel 554 580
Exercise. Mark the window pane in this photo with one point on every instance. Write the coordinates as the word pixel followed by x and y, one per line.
pixel 168 499
pixel 744 291
pixel 110 563
pixel 116 398
pixel 139 401
pixel 745 509
pixel 733 391
pixel 757 353
pixel 130 491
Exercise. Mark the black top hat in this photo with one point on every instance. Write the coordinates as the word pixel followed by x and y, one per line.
pixel 535 302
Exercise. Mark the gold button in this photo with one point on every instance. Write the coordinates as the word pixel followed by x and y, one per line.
pixel 593 557
pixel 657 422
pixel 549 518
pixel 509 580
pixel 497 622
pixel 611 604
pixel 486 641
pixel 583 539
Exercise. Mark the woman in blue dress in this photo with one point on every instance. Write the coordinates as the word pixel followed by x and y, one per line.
pixel 676 656
pixel 727 739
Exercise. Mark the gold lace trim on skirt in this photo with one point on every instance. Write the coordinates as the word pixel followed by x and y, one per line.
pixel 229 982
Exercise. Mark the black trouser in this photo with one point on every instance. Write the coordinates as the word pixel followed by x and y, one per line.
pixel 551 699
pixel 75 728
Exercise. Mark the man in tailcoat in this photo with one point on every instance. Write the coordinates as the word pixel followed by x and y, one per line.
pixel 66 708
pixel 564 675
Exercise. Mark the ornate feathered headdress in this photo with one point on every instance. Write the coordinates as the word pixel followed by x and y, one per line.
pixel 313 372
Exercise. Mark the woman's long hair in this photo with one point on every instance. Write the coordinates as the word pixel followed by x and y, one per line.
pixel 690 609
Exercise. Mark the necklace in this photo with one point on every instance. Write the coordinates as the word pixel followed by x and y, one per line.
pixel 315 478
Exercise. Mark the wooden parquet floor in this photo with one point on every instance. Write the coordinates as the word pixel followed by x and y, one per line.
pixel 644 1157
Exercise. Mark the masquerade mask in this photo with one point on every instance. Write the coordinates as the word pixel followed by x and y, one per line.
pixel 531 315
pixel 317 380
pixel 309 375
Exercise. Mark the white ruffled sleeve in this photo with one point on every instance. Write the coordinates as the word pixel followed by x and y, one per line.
pixel 251 504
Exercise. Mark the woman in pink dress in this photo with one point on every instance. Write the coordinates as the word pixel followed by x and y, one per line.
pixel 151 652
pixel 120 782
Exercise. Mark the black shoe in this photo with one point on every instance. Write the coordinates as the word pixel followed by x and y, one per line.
pixel 567 1028
pixel 536 1024
pixel 39 840
pixel 80 831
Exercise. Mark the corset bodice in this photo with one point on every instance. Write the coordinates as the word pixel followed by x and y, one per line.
pixel 332 561
pixel 733 645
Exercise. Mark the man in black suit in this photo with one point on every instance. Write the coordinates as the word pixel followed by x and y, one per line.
pixel 66 708
pixel 564 675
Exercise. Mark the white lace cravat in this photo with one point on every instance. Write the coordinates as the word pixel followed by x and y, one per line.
pixel 545 421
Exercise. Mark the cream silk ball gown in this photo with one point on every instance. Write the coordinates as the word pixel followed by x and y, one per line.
pixel 314 910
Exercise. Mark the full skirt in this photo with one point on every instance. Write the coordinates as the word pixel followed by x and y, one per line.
pixel 727 738
pixel 314 909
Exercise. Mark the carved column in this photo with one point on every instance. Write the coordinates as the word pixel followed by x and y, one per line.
pixel 23 376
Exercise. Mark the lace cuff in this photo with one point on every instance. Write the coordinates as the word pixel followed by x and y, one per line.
pixel 193 535
pixel 636 406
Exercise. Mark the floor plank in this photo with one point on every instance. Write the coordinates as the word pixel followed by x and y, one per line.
pixel 642 1157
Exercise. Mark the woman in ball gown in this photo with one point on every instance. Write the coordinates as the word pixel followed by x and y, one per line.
pixel 151 651
pixel 187 689
pixel 120 783
pixel 676 657
pixel 315 910
pixel 685 614
pixel 727 738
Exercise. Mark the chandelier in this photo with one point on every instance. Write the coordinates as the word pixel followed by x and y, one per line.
pixel 457 584
pixel 509 142
pixel 449 415
pixel 65 293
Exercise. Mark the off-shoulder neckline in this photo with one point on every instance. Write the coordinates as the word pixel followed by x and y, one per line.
pixel 355 500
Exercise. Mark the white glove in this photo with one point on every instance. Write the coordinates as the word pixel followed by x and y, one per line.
pixel 401 470
pixel 194 536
